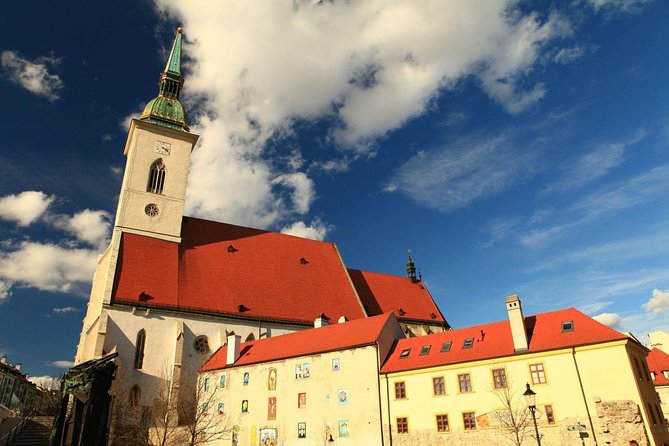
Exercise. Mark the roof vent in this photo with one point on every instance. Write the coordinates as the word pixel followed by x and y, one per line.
pixel 321 321
pixel 401 312
pixel 433 316
pixel 303 261
pixel 242 308
pixel 342 319
pixel 469 342
pixel 143 297
pixel 232 249
pixel 482 335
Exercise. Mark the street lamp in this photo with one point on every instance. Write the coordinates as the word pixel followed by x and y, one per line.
pixel 531 398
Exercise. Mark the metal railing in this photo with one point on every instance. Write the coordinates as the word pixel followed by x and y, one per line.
pixel 4 441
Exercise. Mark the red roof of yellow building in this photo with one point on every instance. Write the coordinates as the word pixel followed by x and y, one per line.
pixel 340 336
pixel 494 340
pixel 658 363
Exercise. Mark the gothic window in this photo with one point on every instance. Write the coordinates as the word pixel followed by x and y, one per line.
pixel 135 394
pixel 250 337
pixel 139 349
pixel 156 177
pixel 201 344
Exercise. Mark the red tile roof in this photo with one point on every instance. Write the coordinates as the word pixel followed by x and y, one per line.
pixel 233 270
pixel 333 337
pixel 658 362
pixel 383 293
pixel 494 340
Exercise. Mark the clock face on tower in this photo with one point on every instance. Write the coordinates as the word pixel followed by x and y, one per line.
pixel 164 148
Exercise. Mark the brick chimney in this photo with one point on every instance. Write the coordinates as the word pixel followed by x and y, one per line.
pixel 233 349
pixel 517 323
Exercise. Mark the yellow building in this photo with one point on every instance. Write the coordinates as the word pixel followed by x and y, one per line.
pixel 466 386
pixel 303 388
pixel 658 363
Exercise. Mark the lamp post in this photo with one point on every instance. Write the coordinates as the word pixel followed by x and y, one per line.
pixel 530 397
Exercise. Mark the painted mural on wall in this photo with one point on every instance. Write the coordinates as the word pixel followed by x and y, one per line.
pixel 302 371
pixel 268 436
pixel 343 428
pixel 342 396
pixel 301 400
pixel 271 408
pixel 221 382
pixel 246 379
pixel 245 406
pixel 302 430
pixel 335 365
pixel 271 379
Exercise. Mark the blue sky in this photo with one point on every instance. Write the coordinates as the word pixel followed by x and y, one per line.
pixel 514 150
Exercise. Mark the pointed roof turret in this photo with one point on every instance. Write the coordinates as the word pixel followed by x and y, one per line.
pixel 166 110
pixel 411 268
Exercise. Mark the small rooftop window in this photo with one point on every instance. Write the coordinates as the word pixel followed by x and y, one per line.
pixel 446 347
pixel 567 326
pixel 405 353
pixel 425 350
pixel 469 342
pixel 666 373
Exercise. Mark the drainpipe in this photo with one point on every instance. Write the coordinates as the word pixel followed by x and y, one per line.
pixel 390 426
pixel 585 401
pixel 378 388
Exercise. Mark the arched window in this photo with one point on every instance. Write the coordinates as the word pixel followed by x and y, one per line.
pixel 156 177
pixel 250 337
pixel 139 349
pixel 134 395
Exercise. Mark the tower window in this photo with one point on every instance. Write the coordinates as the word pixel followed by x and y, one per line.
pixel 156 177
pixel 135 394
pixel 139 349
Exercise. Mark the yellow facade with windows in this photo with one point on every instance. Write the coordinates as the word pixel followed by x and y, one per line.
pixel 584 395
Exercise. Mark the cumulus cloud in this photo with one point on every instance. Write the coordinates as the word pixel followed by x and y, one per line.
pixel 90 226
pixel 48 267
pixel 5 289
pixel 569 55
pixel 658 304
pixel 362 68
pixel 46 382
pixel 612 320
pixel 316 231
pixel 34 75
pixel 452 177
pixel 24 208
pixel 64 310
pixel 61 364
pixel 618 5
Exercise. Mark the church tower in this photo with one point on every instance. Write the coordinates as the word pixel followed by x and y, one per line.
pixel 158 152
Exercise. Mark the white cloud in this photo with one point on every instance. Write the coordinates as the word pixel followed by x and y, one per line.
pixel 569 55
pixel 34 75
pixel 24 208
pixel 89 226
pixel 316 231
pixel 658 304
pixel 499 229
pixel 365 68
pixel 612 320
pixel 618 5
pixel 595 307
pixel 46 382
pixel 607 200
pixel 593 165
pixel 5 289
pixel 48 267
pixel 456 175
pixel 64 310
pixel 61 364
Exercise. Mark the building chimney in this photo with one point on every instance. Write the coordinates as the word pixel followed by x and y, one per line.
pixel 517 323
pixel 18 366
pixel 321 321
pixel 3 360
pixel 233 349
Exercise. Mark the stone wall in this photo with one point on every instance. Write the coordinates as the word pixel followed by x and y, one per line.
pixel 620 422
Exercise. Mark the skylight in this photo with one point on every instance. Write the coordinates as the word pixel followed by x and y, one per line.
pixel 567 326
pixel 469 342
pixel 405 353
pixel 425 350
pixel 446 347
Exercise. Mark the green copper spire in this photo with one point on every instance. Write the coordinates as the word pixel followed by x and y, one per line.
pixel 166 110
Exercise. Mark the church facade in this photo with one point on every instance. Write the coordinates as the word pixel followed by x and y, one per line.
pixel 169 289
